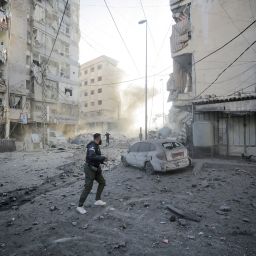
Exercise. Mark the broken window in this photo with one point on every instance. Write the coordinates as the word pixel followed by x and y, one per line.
pixel 92 103
pixel 99 78
pixel 99 67
pixel 92 69
pixel 15 101
pixel 92 92
pixel 85 105
pixel 86 72
pixel 28 60
pixel 30 86
pixel 85 82
pixel 92 81
pixel 99 102
pixel 68 92
pixel 100 90
pixel 86 94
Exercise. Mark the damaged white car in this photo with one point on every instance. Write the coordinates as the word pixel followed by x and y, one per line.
pixel 157 155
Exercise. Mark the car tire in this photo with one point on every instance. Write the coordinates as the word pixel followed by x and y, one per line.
pixel 124 162
pixel 149 168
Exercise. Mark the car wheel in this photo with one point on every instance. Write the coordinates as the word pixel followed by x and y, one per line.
pixel 124 162
pixel 149 168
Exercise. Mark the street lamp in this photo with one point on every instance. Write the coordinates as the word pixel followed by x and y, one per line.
pixel 146 80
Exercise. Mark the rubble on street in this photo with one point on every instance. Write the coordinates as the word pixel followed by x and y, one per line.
pixel 207 212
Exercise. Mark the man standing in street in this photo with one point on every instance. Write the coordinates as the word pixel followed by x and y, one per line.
pixel 107 138
pixel 93 172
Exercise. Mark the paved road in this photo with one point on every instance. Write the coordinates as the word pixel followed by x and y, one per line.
pixel 42 220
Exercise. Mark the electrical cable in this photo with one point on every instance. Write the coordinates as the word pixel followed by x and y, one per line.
pixel 233 23
pixel 224 70
pixel 241 89
pixel 58 31
pixel 225 43
pixel 124 43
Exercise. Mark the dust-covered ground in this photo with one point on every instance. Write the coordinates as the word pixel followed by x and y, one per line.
pixel 216 207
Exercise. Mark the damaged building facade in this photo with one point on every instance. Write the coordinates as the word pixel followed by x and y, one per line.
pixel 42 84
pixel 99 94
pixel 200 28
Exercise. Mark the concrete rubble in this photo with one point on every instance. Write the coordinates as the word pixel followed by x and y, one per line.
pixel 209 211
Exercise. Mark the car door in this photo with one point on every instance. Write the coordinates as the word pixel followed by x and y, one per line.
pixel 142 154
pixel 131 154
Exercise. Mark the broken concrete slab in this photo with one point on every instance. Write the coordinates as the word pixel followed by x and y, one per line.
pixel 186 215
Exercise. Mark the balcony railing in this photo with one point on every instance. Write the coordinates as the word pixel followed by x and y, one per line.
pixel 180 35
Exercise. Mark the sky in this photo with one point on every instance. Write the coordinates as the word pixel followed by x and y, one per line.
pixel 100 37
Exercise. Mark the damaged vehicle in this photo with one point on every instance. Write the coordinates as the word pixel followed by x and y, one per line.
pixel 157 155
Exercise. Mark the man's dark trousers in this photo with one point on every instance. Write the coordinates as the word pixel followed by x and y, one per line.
pixel 90 176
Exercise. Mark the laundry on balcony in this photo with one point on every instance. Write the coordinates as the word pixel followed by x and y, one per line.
pixel 3 20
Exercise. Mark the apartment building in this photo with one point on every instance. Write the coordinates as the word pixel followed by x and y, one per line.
pixel 201 27
pixel 99 94
pixel 43 84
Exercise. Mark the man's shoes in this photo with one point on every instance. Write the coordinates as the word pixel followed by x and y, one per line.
pixel 100 203
pixel 81 210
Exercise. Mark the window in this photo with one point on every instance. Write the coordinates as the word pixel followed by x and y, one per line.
pixel 85 83
pixel 99 67
pixel 86 72
pixel 30 86
pixel 85 105
pixel 144 147
pixel 92 92
pixel 92 103
pixel 92 69
pixel 15 101
pixel 28 60
pixel 68 92
pixel 100 78
pixel 92 81
pixel 85 93
pixel 134 148
pixel 99 90
pixel 171 145
pixel 99 102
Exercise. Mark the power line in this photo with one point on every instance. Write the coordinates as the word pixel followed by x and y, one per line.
pixel 225 43
pixel 241 89
pixel 233 23
pixel 219 75
pixel 58 31
pixel 126 47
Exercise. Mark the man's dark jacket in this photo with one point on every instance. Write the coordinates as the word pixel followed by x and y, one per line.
pixel 93 155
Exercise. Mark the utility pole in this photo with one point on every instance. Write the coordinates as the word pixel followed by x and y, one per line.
pixel 44 107
pixel 146 80
pixel 162 82
pixel 7 96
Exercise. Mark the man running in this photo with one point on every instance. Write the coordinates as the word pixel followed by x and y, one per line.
pixel 93 172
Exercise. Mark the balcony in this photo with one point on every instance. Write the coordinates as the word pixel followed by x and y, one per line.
pixel 180 35
pixel 3 54
pixel 3 21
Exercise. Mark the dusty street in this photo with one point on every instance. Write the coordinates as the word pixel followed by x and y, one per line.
pixel 39 193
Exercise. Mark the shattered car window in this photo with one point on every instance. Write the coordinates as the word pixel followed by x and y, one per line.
pixel 171 145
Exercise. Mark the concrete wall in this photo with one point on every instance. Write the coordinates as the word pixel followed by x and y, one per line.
pixel 213 23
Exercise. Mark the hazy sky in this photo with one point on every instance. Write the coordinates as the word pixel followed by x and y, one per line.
pixel 99 36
